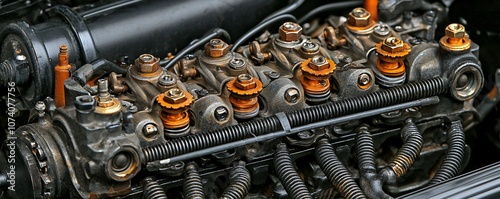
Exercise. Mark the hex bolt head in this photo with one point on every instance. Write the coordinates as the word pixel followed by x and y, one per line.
pixel 292 95
pixel 455 30
pixel 319 62
pixel 147 63
pixel 245 82
pixel 150 130
pixel 393 45
pixel 84 102
pixel 216 48
pixel 221 113
pixel 364 79
pixel 290 31
pixel 166 80
pixel 359 17
pixel 175 96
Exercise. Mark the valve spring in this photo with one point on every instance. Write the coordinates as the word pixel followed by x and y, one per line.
pixel 152 189
pixel 335 171
pixel 239 183
pixel 365 150
pixel 396 95
pixel 290 179
pixel 454 155
pixel 7 72
pixel 410 150
pixel 211 138
pixel 193 187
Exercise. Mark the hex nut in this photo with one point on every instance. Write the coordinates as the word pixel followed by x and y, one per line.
pixel 175 96
pixel 393 45
pixel 290 31
pixel 245 82
pixel 292 95
pixel 319 62
pixel 216 48
pixel 147 63
pixel 359 17
pixel 455 30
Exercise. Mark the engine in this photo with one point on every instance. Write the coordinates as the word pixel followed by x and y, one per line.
pixel 355 102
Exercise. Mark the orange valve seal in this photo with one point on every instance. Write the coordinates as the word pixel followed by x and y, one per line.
pixel 316 72
pixel 244 92
pixel 392 53
pixel 174 114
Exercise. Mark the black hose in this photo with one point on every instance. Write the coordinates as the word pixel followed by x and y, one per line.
pixel 327 7
pixel 216 33
pixel 410 150
pixel 335 171
pixel 285 10
pixel 369 181
pixel 454 155
pixel 365 151
pixel 203 140
pixel 290 179
pixel 192 187
pixel 259 28
pixel 239 183
pixel 152 189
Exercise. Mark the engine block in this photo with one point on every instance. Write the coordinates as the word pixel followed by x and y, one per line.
pixel 339 106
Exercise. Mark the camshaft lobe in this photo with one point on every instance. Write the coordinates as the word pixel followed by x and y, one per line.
pixel 203 140
pixel 239 183
pixel 454 155
pixel 290 179
pixel 335 171
pixel 152 190
pixel 192 187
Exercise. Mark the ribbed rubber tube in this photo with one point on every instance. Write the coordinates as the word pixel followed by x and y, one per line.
pixel 290 179
pixel 7 72
pixel 454 155
pixel 410 150
pixel 335 171
pixel 203 140
pixel 365 151
pixel 239 183
pixel 192 187
pixel 152 190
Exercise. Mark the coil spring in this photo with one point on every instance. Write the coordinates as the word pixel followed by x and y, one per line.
pixel 290 179
pixel 454 155
pixel 212 138
pixel 239 183
pixel 407 92
pixel 365 150
pixel 192 187
pixel 152 190
pixel 335 171
pixel 409 151
pixel 396 95
pixel 7 72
